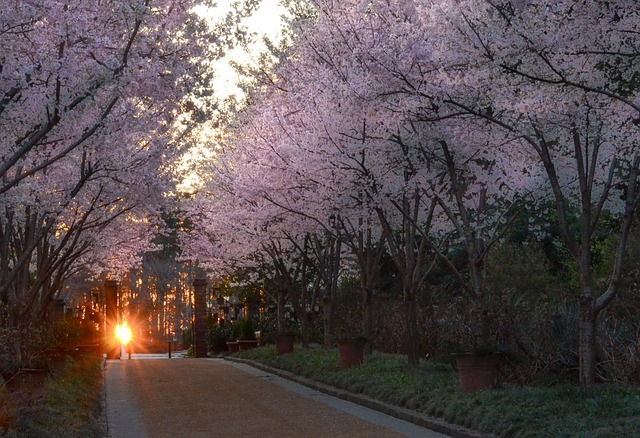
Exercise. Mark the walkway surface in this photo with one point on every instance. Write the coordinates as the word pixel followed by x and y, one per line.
pixel 216 398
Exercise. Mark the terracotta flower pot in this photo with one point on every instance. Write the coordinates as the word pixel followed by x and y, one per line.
pixel 284 344
pixel 232 347
pixel 244 345
pixel 476 371
pixel 351 353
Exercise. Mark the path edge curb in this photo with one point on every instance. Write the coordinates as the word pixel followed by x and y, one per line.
pixel 432 423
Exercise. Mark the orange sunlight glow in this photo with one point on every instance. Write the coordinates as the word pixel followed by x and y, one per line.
pixel 123 333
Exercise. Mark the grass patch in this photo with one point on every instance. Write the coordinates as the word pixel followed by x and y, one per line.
pixel 69 406
pixel 433 389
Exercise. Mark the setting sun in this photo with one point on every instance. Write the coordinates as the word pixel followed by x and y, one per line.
pixel 123 333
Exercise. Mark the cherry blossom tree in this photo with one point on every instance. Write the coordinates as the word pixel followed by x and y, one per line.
pixel 248 235
pixel 551 81
pixel 297 154
pixel 560 80
pixel 353 128
pixel 437 117
pixel 94 103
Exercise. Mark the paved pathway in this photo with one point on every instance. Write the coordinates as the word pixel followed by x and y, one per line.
pixel 215 398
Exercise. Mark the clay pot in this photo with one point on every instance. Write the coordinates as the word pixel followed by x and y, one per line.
pixel 476 371
pixel 233 347
pixel 284 344
pixel 244 345
pixel 351 353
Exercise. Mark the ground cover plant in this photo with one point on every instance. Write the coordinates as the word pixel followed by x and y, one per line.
pixel 63 403
pixel 561 410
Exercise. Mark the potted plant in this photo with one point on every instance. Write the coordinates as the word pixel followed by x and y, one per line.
pixel 476 369
pixel 477 364
pixel 284 341
pixel 351 350
pixel 247 334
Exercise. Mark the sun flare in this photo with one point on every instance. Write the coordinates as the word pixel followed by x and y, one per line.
pixel 123 333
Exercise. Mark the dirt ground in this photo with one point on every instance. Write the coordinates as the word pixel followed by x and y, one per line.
pixel 211 398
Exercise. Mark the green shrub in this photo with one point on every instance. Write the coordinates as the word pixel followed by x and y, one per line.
pixel 216 337
pixel 67 330
pixel 244 329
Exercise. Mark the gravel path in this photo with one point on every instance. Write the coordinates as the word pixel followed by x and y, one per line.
pixel 214 398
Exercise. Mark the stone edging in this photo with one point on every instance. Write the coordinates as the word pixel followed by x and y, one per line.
pixel 414 417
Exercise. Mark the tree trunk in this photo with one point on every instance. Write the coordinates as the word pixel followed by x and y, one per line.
pixel 304 331
pixel 332 273
pixel 588 335
pixel 281 310
pixel 329 329
pixel 367 317
pixel 15 328
pixel 413 337
pixel 17 347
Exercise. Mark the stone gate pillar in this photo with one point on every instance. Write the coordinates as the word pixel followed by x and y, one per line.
pixel 200 289
pixel 110 344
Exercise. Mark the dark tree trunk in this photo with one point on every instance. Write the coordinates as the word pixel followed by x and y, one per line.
pixel 413 336
pixel 304 331
pixel 367 317
pixel 331 266
pixel 328 317
pixel 280 309
pixel 588 336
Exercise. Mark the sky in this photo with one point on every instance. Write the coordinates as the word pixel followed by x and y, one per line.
pixel 266 21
